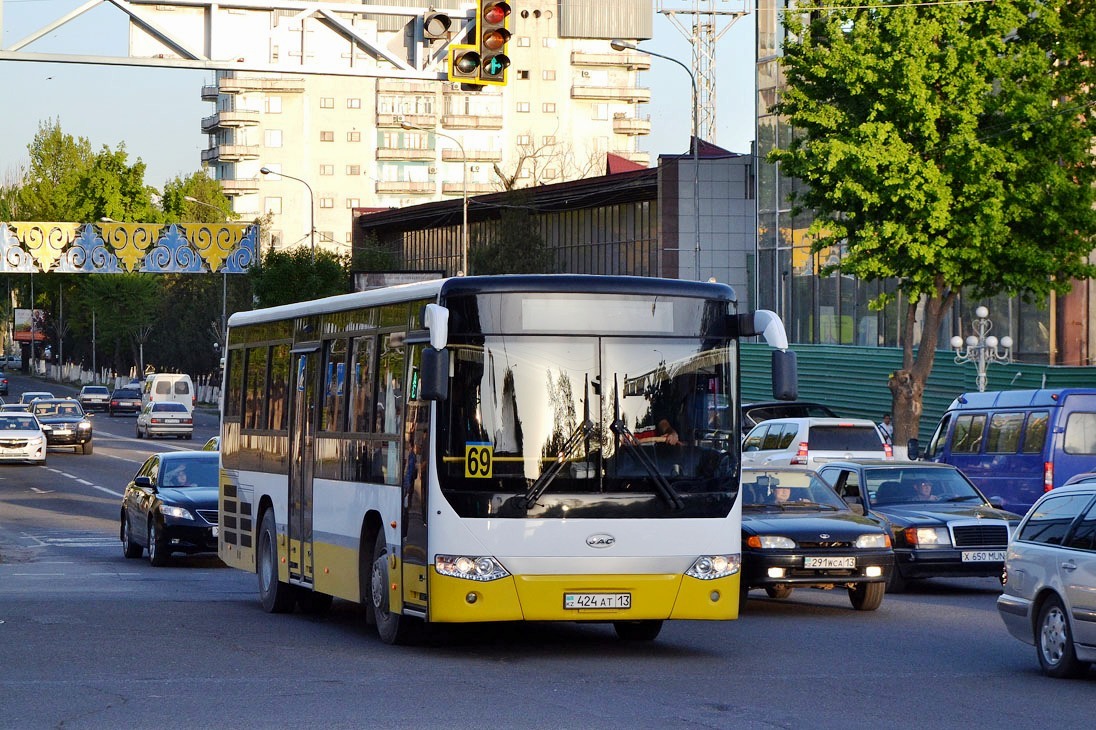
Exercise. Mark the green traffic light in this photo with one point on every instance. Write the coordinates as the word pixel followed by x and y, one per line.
pixel 467 63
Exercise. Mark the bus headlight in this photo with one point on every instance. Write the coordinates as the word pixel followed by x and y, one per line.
pixel 481 568
pixel 710 567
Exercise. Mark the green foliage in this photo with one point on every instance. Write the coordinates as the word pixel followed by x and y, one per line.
pixel 213 208
pixel 513 246
pixel 943 150
pixel 373 256
pixel 293 276
pixel 58 162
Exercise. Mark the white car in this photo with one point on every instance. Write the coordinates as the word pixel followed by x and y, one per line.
pixel 22 438
pixel 32 395
pixel 1048 593
pixel 165 418
pixel 811 442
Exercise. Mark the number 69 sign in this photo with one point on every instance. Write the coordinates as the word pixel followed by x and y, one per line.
pixel 477 460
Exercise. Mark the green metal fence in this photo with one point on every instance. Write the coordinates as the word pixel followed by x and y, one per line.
pixel 853 380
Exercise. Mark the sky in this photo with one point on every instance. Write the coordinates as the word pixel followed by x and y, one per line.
pixel 156 112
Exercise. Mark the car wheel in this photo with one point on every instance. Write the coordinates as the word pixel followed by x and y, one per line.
pixel 896 583
pixel 129 548
pixel 637 630
pixel 779 592
pixel 1054 642
pixel 158 552
pixel 87 448
pixel 867 596
pixel 276 597
pixel 391 627
pixel 138 430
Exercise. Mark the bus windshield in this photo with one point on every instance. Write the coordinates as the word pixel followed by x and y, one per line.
pixel 544 422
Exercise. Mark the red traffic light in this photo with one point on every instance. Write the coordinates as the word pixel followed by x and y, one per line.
pixel 496 13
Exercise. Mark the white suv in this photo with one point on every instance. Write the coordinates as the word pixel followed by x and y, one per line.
pixel 813 441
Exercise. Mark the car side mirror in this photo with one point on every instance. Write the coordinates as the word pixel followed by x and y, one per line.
pixel 144 482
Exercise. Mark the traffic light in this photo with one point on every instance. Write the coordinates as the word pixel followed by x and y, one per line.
pixel 492 19
pixel 436 25
pixel 464 63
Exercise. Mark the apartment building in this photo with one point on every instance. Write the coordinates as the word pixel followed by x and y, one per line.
pixel 347 142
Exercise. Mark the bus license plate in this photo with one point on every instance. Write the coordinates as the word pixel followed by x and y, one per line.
pixel 983 556
pixel 829 563
pixel 597 600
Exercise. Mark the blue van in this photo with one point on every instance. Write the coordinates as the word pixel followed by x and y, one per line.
pixel 1016 444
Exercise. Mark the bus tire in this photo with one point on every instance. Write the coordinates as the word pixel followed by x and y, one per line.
pixel 637 630
pixel 391 627
pixel 276 597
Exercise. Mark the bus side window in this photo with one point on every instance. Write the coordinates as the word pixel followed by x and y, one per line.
pixel 1004 433
pixel 1035 432
pixel 968 433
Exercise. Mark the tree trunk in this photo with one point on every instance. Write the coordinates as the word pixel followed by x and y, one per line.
pixel 907 385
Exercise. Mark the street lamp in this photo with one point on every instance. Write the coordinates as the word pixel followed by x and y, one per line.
pixel 464 189
pixel 620 45
pixel 981 347
pixel 224 268
pixel 311 203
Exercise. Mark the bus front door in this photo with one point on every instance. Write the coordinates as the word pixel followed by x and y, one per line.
pixel 305 392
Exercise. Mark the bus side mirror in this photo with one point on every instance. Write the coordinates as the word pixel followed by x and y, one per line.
pixel 913 450
pixel 434 374
pixel 785 375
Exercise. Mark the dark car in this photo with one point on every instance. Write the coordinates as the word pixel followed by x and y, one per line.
pixel 124 400
pixel 94 398
pixel 170 506
pixel 64 423
pixel 755 413
pixel 796 532
pixel 3 383
pixel 941 524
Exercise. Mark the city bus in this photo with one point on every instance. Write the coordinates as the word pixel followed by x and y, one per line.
pixel 492 449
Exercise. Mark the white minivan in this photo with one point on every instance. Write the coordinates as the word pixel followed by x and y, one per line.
pixel 177 387
pixel 813 441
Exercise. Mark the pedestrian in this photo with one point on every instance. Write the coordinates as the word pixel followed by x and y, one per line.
pixel 887 429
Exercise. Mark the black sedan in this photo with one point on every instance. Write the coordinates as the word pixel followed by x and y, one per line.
pixel 124 400
pixel 64 423
pixel 170 506
pixel 941 524
pixel 796 532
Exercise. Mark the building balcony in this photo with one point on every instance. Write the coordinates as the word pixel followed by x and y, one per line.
pixel 210 92
pixel 632 61
pixel 229 120
pixel 231 153
pixel 401 86
pixel 471 121
pixel 624 124
pixel 474 188
pixel 401 153
pixel 243 186
pixel 640 158
pixel 400 187
pixel 452 155
pixel 429 121
pixel 630 94
pixel 266 84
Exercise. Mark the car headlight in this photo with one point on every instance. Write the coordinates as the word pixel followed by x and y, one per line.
pixel 927 536
pixel 481 568
pixel 180 513
pixel 877 540
pixel 770 542
pixel 83 426
pixel 710 567
pixel 36 441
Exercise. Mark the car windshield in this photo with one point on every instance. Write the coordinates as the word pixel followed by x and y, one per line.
pixel 780 489
pixel 17 423
pixel 56 409
pixel 183 473
pixel 126 394
pixel 918 485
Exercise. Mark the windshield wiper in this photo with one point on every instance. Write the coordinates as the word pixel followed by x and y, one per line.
pixel 629 439
pixel 580 434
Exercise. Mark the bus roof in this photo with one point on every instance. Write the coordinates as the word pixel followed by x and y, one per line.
pixel 1047 397
pixel 575 283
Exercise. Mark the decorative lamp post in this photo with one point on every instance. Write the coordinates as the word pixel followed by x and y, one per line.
pixel 311 203
pixel 981 348
pixel 620 45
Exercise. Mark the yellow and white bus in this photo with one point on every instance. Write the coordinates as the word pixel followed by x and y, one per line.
pixel 479 449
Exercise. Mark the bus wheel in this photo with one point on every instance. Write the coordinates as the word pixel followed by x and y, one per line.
pixel 637 630
pixel 392 628
pixel 276 597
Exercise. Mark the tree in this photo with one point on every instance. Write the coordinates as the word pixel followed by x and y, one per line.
pixel 512 246
pixel 947 147
pixel 57 164
pixel 293 276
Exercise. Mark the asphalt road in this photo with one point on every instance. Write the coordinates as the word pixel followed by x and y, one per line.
pixel 89 639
